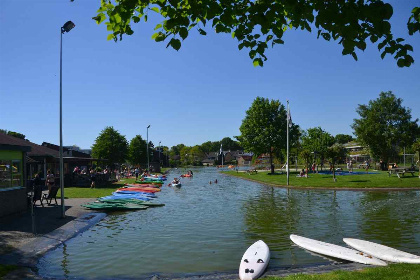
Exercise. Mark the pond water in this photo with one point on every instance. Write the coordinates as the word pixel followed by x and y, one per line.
pixel 206 228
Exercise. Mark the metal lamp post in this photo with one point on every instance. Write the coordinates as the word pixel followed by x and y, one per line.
pixel 65 28
pixel 147 142
pixel 159 154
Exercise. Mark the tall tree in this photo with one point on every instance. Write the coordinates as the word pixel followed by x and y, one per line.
pixel 258 24
pixel 385 126
pixel 110 145
pixel 317 141
pixel 335 154
pixel 263 130
pixel 343 138
pixel 230 144
pixel 137 151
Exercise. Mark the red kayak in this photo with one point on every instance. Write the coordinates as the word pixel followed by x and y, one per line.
pixel 149 190
pixel 142 185
pixel 186 175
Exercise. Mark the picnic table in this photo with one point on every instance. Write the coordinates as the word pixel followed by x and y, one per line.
pixel 400 171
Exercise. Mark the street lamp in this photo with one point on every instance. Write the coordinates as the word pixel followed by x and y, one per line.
pixel 159 153
pixel 147 142
pixel 65 28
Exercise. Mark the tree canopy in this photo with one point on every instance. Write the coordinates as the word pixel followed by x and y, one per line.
pixel 110 145
pixel 343 138
pixel 13 133
pixel 385 126
pixel 318 141
pixel 258 24
pixel 263 130
pixel 137 151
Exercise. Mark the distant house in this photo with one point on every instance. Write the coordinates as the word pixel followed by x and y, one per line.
pixel 357 152
pixel 208 162
pixel 13 157
pixel 244 160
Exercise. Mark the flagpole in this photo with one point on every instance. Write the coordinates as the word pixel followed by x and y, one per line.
pixel 221 150
pixel 287 160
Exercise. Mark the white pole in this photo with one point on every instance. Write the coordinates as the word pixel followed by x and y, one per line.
pixel 287 160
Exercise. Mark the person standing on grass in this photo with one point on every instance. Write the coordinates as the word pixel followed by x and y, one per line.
pixel 92 178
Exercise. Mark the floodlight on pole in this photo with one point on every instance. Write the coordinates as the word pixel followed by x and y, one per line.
pixel 65 28
pixel 147 142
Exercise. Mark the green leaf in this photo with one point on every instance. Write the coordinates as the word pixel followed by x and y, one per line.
pixel 145 18
pixel 99 18
pixel 155 9
pixel 154 36
pixel 136 19
pixel 202 32
pixel 401 62
pixel 160 37
pixel 175 43
pixel 354 55
pixel 183 32
pixel 258 62
pixel 158 26
pixel 373 38
pixel 110 37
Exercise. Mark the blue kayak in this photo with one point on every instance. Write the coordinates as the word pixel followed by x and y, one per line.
pixel 150 195
pixel 125 196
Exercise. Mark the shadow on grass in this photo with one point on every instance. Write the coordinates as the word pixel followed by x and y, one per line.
pixel 359 181
pixel 275 173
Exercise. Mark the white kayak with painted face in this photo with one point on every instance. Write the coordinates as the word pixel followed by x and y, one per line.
pixel 254 261
pixel 335 251
pixel 382 252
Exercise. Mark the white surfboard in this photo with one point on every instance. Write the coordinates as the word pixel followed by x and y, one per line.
pixel 335 251
pixel 382 252
pixel 254 261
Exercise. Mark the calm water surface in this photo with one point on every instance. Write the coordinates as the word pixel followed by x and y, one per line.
pixel 205 228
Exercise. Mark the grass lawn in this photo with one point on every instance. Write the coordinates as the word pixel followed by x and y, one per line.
pixel 381 180
pixel 80 192
pixel 393 271
pixel 4 269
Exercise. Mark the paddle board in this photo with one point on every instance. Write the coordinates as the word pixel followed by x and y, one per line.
pixel 254 261
pixel 382 252
pixel 335 251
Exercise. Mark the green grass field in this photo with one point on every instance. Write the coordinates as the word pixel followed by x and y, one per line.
pixel 393 271
pixel 79 192
pixel 381 180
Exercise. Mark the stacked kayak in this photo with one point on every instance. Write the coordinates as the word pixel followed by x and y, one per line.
pixel 114 206
pixel 154 182
pixel 129 197
pixel 153 178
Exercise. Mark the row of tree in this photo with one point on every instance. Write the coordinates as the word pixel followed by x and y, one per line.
pixel 384 127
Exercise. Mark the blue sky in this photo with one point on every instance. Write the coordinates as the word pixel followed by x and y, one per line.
pixel 197 94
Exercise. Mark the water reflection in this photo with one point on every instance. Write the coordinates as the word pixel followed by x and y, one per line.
pixel 208 227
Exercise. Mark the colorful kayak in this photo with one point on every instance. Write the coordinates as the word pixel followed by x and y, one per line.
pixel 186 175
pixel 150 182
pixel 139 189
pixel 125 196
pixel 178 185
pixel 140 202
pixel 114 206
pixel 143 185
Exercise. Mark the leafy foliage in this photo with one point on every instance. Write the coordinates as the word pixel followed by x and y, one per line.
pixel 137 151
pixel 385 126
pixel 317 141
pixel 263 130
pixel 343 138
pixel 258 24
pixel 110 145
pixel 14 134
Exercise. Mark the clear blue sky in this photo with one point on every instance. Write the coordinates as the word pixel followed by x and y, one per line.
pixel 197 94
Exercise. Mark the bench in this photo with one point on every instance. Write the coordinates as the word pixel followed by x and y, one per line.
pixel 252 171
pixel 400 171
